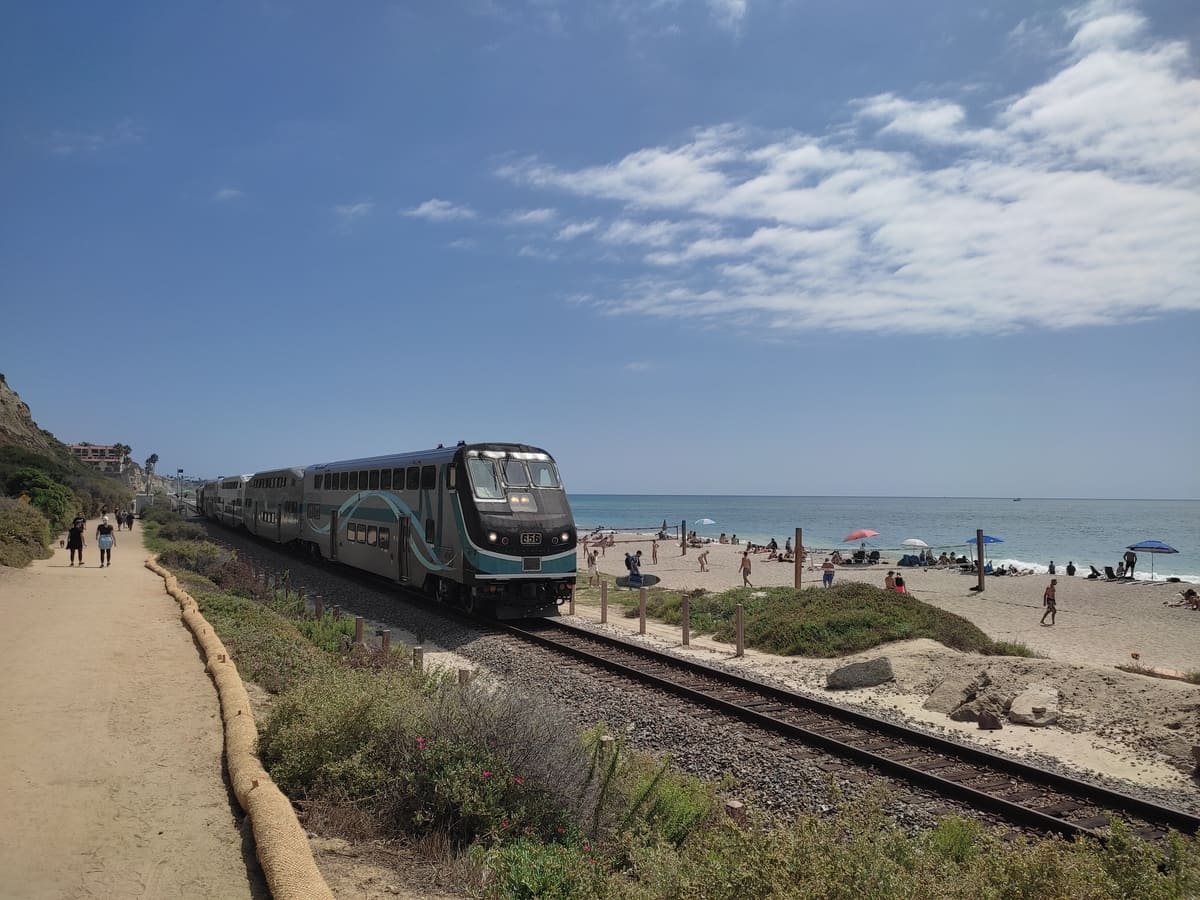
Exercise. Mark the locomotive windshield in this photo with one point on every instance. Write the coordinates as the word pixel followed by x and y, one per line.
pixel 490 478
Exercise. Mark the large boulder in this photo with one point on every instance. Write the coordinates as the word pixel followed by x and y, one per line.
pixel 1037 705
pixel 990 721
pixel 953 692
pixel 860 675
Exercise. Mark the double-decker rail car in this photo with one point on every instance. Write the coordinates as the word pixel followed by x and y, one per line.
pixel 272 504
pixel 485 526
pixel 231 499
pixel 206 499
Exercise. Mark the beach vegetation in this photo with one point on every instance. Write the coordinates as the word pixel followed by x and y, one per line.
pixel 820 622
pixel 61 486
pixel 24 533
pixel 519 807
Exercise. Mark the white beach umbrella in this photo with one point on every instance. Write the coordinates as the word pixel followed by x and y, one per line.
pixel 915 542
pixel 705 522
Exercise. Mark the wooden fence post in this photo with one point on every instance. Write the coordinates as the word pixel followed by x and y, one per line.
pixel 418 658
pixel 687 620
pixel 741 631
pixel 359 621
pixel 603 602
pixel 641 610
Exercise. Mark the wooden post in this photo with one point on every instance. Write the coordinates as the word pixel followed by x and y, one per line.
pixel 464 677
pixel 358 629
pixel 979 555
pixel 736 811
pixel 418 658
pixel 385 640
pixel 303 599
pixel 606 744
pixel 687 620
pixel 641 610
pixel 336 612
pixel 740 625
pixel 603 602
pixel 571 608
pixel 318 606
pixel 683 536
pixel 798 547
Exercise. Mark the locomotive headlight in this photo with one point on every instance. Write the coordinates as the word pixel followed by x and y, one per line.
pixel 565 536
pixel 492 536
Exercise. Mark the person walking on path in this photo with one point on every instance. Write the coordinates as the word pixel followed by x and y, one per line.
pixel 75 541
pixel 1048 602
pixel 654 552
pixel 827 572
pixel 1130 562
pixel 634 562
pixel 106 540
pixel 593 572
pixel 744 568
pixel 129 520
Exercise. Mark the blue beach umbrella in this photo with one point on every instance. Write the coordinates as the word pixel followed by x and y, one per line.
pixel 987 539
pixel 1153 548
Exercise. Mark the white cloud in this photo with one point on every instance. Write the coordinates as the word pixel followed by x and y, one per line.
pixel 436 210
pixel 637 366
pixel 464 244
pixel 729 14
pixel 572 230
pixel 227 195
pixel 531 216
pixel 533 252
pixel 1074 203
pixel 349 213
pixel 74 143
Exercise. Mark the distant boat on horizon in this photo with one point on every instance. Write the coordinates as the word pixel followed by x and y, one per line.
pixel 1016 499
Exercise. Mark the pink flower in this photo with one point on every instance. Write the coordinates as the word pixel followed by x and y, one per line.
pixel 587 848
pixel 504 823
pixel 517 779
pixel 487 774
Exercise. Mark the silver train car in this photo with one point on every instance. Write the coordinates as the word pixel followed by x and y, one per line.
pixel 483 526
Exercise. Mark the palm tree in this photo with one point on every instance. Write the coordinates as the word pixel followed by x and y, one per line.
pixel 151 461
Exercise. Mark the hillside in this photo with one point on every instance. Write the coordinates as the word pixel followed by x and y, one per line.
pixel 17 428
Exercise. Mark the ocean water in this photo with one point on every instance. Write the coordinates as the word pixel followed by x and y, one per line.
pixel 1034 531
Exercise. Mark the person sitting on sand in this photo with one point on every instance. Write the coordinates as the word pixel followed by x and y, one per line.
pixel 733 540
pixel 836 558
pixel 1070 568
pixel 901 588
pixel 723 539
pixel 889 583
pixel 1191 599
pixel 1121 569
pixel 943 560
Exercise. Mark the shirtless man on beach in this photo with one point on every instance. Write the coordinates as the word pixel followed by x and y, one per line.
pixel 744 568
pixel 703 560
pixel 1048 602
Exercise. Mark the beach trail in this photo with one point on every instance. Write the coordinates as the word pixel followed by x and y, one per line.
pixel 111 773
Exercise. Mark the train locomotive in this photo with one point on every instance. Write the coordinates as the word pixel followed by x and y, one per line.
pixel 483 526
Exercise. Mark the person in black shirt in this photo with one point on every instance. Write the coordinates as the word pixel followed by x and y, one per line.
pixel 75 540
pixel 106 540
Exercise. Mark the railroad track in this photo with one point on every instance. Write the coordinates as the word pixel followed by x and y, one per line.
pixel 1018 792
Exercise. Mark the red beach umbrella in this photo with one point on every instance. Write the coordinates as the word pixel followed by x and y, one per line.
pixel 861 535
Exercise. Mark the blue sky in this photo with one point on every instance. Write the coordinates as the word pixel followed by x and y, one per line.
pixel 736 246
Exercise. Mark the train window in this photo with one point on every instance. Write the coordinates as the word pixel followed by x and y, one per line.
pixel 429 531
pixel 514 473
pixel 372 535
pixel 317 482
pixel 354 481
pixel 328 477
pixel 397 479
pixel 543 475
pixel 385 538
pixel 451 477
pixel 483 477
pixel 362 480
pixel 314 511
pixel 374 480
pixel 428 477
pixel 344 480
pixel 412 478
pixel 385 479
pixel 352 533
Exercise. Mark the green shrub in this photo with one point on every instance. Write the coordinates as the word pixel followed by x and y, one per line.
pixel 181 531
pixel 24 534
pixel 56 501
pixel 532 870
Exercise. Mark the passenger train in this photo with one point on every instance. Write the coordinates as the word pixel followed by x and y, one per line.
pixel 482 526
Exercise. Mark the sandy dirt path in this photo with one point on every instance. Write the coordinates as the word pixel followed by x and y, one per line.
pixel 111 776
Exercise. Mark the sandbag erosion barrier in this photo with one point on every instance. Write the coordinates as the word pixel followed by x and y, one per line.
pixel 280 842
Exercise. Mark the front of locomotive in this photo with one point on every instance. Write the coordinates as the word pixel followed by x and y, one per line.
pixel 519 541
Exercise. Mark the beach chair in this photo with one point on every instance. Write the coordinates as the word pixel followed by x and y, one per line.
pixel 1110 575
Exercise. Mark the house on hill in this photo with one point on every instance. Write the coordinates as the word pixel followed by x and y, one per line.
pixel 108 458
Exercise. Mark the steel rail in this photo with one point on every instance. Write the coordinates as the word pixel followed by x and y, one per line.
pixel 1111 800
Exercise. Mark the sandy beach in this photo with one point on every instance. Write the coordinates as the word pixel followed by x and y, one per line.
pixel 1114 723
